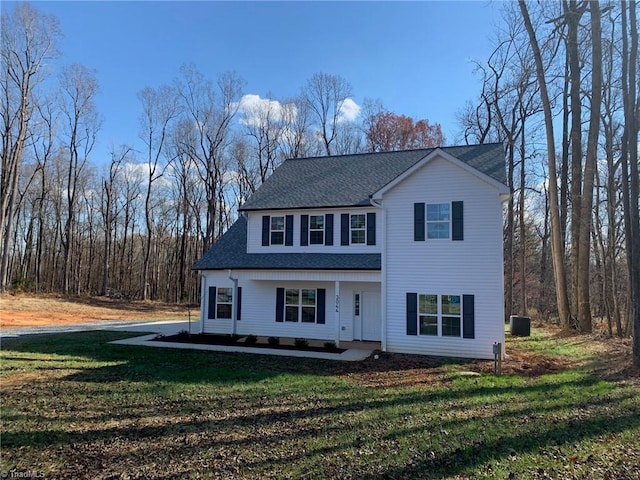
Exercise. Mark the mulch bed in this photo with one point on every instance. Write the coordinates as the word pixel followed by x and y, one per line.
pixel 241 341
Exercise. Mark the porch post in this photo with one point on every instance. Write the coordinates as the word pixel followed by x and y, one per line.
pixel 203 300
pixel 337 315
pixel 234 303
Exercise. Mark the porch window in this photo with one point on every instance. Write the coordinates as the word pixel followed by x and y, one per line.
pixel 277 231
pixel 300 305
pixel 316 229
pixel 223 302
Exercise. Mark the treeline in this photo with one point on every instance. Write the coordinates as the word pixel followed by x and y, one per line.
pixel 134 226
pixel 561 90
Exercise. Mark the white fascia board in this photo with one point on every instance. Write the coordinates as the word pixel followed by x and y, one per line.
pixel 438 152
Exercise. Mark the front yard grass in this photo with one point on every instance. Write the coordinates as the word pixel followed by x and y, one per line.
pixel 74 406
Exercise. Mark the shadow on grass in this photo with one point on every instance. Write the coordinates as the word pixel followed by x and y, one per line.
pixel 244 429
pixel 229 411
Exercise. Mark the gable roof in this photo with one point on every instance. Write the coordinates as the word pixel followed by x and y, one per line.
pixel 230 252
pixel 350 180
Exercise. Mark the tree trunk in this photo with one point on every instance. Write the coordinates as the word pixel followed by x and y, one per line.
pixel 584 249
pixel 557 248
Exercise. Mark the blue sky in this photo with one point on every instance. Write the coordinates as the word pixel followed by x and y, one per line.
pixel 416 57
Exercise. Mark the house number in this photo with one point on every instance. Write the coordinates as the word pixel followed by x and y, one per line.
pixel 337 303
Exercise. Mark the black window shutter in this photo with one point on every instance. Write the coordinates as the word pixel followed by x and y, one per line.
pixel 212 303
pixel 304 230
pixel 266 220
pixel 288 231
pixel 412 313
pixel 322 305
pixel 371 228
pixel 468 316
pixel 279 304
pixel 328 229
pixel 418 222
pixel 344 229
pixel 239 303
pixel 457 222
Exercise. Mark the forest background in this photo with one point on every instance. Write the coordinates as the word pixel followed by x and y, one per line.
pixel 560 90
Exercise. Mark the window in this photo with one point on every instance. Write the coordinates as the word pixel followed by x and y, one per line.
pixel 428 314
pixel 358 228
pixel 277 231
pixel 316 229
pixel 439 312
pixel 300 305
pixel 451 315
pixel 438 220
pixel 223 302
pixel 356 305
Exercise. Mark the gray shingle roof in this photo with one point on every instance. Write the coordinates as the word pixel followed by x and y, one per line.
pixel 349 180
pixel 230 252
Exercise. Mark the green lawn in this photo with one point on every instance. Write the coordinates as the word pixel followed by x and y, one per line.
pixel 74 406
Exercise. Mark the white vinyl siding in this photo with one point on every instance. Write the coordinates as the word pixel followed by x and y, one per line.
pixel 254 232
pixel 472 267
pixel 259 304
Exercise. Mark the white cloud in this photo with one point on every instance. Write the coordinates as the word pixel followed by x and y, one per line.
pixel 349 111
pixel 255 110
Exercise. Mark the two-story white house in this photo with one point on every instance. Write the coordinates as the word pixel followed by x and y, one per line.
pixel 404 248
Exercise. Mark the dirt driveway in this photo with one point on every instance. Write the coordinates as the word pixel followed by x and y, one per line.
pixel 30 311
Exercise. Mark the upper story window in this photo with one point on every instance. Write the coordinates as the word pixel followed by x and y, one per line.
pixel 438 220
pixel 277 230
pixel 358 228
pixel 316 229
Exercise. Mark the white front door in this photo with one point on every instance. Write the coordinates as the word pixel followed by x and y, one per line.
pixel 371 317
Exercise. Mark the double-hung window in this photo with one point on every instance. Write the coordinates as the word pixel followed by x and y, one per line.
pixel 223 302
pixel 440 315
pixel 300 305
pixel 277 231
pixel 438 220
pixel 316 229
pixel 358 228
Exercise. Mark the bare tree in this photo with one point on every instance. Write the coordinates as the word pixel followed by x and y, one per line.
pixel 159 108
pixel 263 121
pixel 210 109
pixel 81 124
pixel 326 95
pixel 629 154
pixel 557 248
pixel 29 40
pixel 294 140
pixel 107 208
pixel 585 222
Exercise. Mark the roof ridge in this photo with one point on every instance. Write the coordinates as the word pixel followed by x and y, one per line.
pixel 387 152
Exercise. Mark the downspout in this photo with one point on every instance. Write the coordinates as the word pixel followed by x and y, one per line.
pixel 234 301
pixel 383 274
